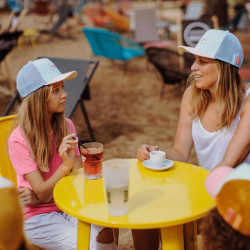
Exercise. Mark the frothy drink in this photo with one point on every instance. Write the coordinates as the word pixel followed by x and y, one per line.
pixel 116 176
pixel 117 203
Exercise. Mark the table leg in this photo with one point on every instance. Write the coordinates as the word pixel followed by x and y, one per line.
pixel 172 238
pixel 83 235
pixel 190 236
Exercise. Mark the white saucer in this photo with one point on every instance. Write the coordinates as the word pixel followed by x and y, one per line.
pixel 167 164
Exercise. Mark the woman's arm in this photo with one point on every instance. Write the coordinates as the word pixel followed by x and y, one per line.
pixel 239 146
pixel 183 142
pixel 44 189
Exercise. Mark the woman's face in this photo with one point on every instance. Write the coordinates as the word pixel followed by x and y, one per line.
pixel 206 72
pixel 57 99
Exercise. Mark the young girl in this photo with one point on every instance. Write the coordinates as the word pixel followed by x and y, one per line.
pixel 42 150
pixel 227 226
pixel 215 108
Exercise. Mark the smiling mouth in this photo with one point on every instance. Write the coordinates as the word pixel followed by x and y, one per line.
pixel 198 77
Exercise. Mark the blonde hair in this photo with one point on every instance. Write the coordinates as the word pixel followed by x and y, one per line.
pixel 229 91
pixel 234 208
pixel 36 124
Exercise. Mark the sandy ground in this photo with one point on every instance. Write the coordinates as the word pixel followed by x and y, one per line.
pixel 125 109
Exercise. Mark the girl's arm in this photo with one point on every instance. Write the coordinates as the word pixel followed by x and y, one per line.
pixel 183 142
pixel 239 146
pixel 44 189
pixel 78 163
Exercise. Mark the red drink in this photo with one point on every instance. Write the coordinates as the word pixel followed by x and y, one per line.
pixel 92 158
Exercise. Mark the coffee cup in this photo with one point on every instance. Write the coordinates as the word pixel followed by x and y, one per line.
pixel 157 158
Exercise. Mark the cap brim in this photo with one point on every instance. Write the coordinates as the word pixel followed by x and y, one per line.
pixel 194 51
pixel 215 178
pixel 62 77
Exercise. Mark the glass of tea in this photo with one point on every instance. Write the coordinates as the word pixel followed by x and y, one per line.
pixel 92 158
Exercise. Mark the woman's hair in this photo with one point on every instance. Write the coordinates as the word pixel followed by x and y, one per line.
pixel 36 124
pixel 218 235
pixel 229 90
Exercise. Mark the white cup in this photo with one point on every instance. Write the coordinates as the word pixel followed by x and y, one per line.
pixel 116 177
pixel 157 158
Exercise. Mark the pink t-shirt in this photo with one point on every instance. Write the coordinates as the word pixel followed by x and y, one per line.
pixel 23 163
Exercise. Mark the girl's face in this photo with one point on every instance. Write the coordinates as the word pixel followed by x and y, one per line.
pixel 57 99
pixel 206 72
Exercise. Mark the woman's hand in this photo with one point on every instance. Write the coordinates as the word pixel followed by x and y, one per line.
pixel 67 150
pixel 144 150
pixel 27 196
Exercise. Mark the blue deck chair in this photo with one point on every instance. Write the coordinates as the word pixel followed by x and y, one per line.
pixel 112 45
pixel 14 5
pixel 80 6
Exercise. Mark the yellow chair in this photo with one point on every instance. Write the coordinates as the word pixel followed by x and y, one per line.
pixel 29 35
pixel 6 168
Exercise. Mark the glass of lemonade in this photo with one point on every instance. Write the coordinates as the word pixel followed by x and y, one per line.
pixel 92 157
pixel 116 177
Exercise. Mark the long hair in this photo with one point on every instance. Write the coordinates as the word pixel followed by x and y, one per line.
pixel 36 124
pixel 229 92
pixel 218 235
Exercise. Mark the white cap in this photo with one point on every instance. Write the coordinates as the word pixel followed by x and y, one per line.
pixel 218 44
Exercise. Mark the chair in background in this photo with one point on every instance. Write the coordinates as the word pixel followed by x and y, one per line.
pixel 241 19
pixel 112 45
pixel 77 88
pixel 194 10
pixel 96 15
pixel 64 11
pixel 143 25
pixel 170 65
pixel 120 22
pixel 7 42
pixel 6 168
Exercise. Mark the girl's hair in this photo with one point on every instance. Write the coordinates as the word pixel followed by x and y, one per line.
pixel 36 124
pixel 229 91
pixel 217 234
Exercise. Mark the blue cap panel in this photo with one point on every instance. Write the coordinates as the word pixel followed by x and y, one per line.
pixel 29 79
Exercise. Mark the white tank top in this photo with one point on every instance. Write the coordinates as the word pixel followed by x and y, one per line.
pixel 211 147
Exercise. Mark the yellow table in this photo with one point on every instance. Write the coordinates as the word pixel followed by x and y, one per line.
pixel 164 200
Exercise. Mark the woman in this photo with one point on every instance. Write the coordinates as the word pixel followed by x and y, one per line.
pixel 43 149
pixel 215 108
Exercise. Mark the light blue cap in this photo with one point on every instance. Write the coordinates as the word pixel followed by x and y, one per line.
pixel 218 44
pixel 38 73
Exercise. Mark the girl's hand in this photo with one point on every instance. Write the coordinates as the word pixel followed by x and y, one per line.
pixel 27 196
pixel 143 152
pixel 67 150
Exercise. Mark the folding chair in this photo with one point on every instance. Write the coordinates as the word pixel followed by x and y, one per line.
pixel 76 88
pixel 7 42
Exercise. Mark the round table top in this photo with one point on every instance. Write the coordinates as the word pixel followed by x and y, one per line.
pixel 156 199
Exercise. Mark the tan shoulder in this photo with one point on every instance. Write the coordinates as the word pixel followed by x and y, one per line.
pixel 186 94
pixel 246 105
